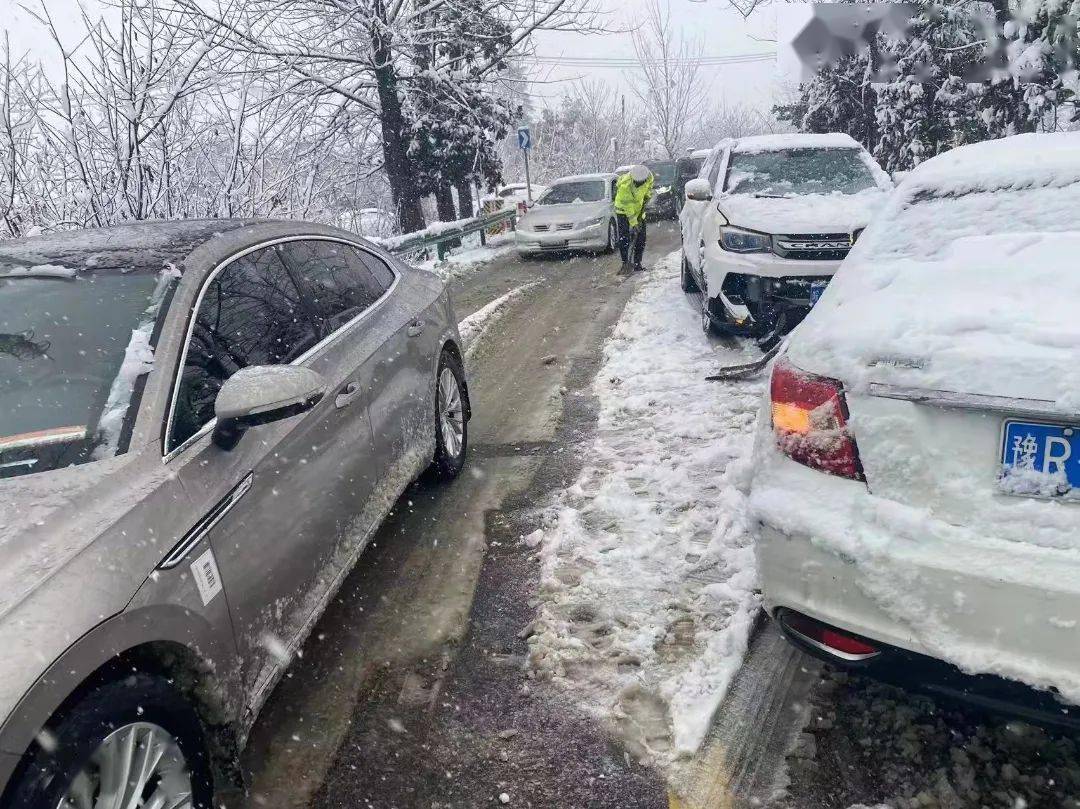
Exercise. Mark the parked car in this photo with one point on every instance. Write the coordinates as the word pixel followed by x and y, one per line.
pixel 201 425
pixel 661 204
pixel 375 223
pixel 917 468
pixel 575 213
pixel 768 222
pixel 514 195
pixel 686 169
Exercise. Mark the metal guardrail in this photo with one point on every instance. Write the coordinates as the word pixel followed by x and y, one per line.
pixel 441 240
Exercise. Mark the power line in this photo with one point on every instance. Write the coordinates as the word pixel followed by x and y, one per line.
pixel 622 62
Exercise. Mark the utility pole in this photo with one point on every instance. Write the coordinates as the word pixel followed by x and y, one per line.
pixel 622 126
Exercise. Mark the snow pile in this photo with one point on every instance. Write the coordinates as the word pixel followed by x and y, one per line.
pixel 647 580
pixel 38 271
pixel 476 325
pixel 466 259
pixel 138 360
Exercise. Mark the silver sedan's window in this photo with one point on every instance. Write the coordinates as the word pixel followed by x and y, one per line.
pixel 340 283
pixel 250 314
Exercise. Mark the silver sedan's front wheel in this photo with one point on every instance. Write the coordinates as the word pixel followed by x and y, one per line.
pixel 137 766
pixel 135 742
pixel 451 412
pixel 451 417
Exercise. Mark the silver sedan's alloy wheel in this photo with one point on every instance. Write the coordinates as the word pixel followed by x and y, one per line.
pixel 138 766
pixel 451 413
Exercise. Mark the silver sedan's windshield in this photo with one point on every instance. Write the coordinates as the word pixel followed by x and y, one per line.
pixel 580 191
pixel 71 351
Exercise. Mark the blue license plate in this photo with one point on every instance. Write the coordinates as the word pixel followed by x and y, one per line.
pixel 1040 459
pixel 816 288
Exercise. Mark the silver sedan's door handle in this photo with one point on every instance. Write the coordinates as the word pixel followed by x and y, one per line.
pixel 416 328
pixel 347 395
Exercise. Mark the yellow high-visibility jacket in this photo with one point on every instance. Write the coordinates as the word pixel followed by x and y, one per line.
pixel 630 199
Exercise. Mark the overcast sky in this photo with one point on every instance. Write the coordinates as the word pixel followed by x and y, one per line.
pixel 720 31
pixel 712 23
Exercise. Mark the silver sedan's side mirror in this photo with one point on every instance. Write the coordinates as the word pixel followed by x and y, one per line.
pixel 262 394
pixel 699 190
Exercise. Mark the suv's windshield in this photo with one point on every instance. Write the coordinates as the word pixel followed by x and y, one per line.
pixel 71 351
pixel 663 172
pixel 798 171
pixel 578 191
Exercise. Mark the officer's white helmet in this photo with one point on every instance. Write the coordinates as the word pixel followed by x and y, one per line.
pixel 639 173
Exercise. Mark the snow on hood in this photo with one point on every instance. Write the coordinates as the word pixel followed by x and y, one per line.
pixel 804 213
pixel 47 518
pixel 993 315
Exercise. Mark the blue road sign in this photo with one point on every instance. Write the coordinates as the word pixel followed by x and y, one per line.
pixel 524 138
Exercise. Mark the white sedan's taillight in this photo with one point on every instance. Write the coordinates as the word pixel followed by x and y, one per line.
pixel 809 418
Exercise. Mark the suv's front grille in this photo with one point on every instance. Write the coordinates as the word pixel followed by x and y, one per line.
pixel 565 226
pixel 541 228
pixel 814 246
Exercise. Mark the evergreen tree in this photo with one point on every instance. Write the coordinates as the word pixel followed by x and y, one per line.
pixel 941 86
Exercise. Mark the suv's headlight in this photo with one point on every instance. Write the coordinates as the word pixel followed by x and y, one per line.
pixel 589 223
pixel 738 240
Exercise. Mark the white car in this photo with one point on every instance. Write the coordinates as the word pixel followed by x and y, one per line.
pixel 514 194
pixel 767 222
pixel 917 470
pixel 575 213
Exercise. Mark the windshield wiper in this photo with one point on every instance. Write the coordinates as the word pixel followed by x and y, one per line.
pixel 23 346
pixel 769 196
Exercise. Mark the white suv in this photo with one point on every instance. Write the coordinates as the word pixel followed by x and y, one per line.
pixel 767 223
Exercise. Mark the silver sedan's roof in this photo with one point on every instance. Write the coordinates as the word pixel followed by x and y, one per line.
pixel 575 178
pixel 128 247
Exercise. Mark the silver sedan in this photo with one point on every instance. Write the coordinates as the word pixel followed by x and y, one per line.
pixel 201 425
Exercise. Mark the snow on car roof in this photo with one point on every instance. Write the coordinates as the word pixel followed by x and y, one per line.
pixel 1013 162
pixel 576 178
pixel 772 143
pixel 700 153
pixel 129 247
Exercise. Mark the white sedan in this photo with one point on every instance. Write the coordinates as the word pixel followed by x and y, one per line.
pixel 917 469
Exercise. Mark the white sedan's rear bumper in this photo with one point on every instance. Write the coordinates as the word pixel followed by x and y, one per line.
pixel 594 237
pixel 829 549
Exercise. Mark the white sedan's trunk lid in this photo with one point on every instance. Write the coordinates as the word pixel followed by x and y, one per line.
pixel 936 355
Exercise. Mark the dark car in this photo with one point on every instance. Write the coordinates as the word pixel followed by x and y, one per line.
pixel 686 169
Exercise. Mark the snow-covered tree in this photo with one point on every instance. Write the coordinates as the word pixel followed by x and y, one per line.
pixel 363 53
pixel 668 86
pixel 964 72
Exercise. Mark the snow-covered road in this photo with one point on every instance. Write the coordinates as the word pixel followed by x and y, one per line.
pixel 647 583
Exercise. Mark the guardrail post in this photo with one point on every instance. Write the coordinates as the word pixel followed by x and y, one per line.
pixel 441 250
